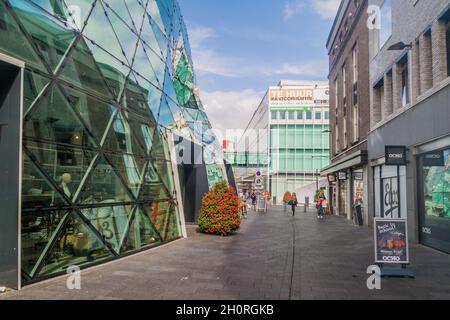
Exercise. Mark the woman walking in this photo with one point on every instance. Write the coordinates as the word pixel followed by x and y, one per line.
pixel 286 199
pixel 293 203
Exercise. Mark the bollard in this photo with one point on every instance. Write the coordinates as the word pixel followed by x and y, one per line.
pixel 306 204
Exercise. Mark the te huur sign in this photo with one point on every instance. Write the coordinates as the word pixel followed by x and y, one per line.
pixel 395 156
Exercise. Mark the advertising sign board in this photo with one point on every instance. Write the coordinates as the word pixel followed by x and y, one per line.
pixel 391 241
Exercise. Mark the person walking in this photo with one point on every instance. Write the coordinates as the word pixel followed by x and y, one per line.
pixel 243 205
pixel 293 203
pixel 286 198
pixel 253 197
pixel 320 206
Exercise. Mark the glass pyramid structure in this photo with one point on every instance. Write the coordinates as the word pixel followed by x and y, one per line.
pixel 105 82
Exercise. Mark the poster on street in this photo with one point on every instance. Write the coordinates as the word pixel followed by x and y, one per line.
pixel 391 241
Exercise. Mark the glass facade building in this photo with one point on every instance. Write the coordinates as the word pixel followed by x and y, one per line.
pixel 287 137
pixel 106 83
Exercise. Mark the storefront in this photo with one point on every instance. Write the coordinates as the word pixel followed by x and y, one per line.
pixel 347 180
pixel 433 171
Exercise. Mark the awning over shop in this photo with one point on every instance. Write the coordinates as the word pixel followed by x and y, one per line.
pixel 356 159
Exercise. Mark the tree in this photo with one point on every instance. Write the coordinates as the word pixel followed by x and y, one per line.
pixel 220 211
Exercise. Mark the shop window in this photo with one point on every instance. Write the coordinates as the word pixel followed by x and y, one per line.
pixel 434 177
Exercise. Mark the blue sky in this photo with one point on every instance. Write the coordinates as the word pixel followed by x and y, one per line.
pixel 241 47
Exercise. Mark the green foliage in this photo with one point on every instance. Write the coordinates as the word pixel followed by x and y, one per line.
pixel 220 211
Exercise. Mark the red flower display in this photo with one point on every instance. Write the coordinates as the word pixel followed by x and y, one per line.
pixel 220 211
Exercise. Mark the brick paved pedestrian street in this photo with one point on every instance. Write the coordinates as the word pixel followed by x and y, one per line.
pixel 274 256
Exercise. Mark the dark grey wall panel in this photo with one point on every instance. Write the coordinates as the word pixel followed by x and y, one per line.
pixel 9 173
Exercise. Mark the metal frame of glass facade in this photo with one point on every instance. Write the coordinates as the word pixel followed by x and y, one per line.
pixel 106 83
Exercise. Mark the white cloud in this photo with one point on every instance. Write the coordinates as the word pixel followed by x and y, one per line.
pixel 231 109
pixel 293 8
pixel 326 9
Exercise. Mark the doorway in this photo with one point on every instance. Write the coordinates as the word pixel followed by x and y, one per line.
pixel 10 169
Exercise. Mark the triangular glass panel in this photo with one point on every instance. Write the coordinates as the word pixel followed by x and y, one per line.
pixel 33 85
pixel 160 36
pixel 81 70
pixel 110 222
pixel 127 37
pixel 103 185
pixel 153 188
pixel 165 117
pixel 14 41
pixel 50 36
pixel 37 191
pixel 66 165
pixel 95 113
pixel 135 96
pixel 149 38
pixel 143 129
pixel 141 232
pixel 55 120
pixel 130 168
pixel 120 9
pixel 99 30
pixel 38 229
pixel 76 11
pixel 77 245
pixel 153 10
pixel 153 95
pixel 120 138
pixel 164 217
pixel 172 229
pixel 160 149
pixel 164 169
pixel 164 14
pixel 136 11
pixel 142 65
pixel 168 86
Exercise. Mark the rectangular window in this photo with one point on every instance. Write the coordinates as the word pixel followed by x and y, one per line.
pixel 386 22
pixel 299 115
pixel 282 115
pixel 318 115
pixel 344 103
pixel 291 115
pixel 326 115
pixel 404 71
pixel 308 115
pixel 336 99
pixel 274 115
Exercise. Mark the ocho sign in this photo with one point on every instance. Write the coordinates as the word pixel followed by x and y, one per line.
pixel 391 241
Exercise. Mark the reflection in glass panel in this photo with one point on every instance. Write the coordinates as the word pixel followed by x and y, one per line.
pixel 163 217
pixel 143 129
pixel 99 30
pixel 37 230
pixel 37 192
pixel 50 36
pixel 81 70
pixel 119 138
pixel 103 185
pixel 130 168
pixel 153 188
pixel 66 165
pixel 55 120
pixel 110 222
pixel 135 96
pixel 33 85
pixel 164 168
pixel 141 232
pixel 77 245
pixel 127 38
pixel 95 114
pixel 14 41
